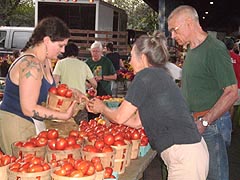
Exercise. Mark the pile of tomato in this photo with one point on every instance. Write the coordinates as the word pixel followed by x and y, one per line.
pixel 29 163
pixel 6 159
pixel 70 167
pixel 61 90
pixel 102 135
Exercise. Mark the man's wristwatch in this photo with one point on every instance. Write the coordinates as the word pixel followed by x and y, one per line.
pixel 204 122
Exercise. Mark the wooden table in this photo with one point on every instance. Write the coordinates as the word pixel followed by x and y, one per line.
pixel 137 166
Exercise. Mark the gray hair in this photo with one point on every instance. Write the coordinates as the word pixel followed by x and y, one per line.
pixel 184 10
pixel 154 47
pixel 97 44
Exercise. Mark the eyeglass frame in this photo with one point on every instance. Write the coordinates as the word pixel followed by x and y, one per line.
pixel 176 28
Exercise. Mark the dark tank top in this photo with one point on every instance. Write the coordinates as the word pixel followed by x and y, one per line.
pixel 11 99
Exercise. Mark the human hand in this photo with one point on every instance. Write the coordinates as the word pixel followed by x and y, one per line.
pixel 98 78
pixel 71 110
pixel 95 106
pixel 200 127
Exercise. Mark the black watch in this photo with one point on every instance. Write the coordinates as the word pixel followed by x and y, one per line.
pixel 204 122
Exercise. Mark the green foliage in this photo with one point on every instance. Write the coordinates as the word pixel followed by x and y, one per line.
pixel 16 13
pixel 140 15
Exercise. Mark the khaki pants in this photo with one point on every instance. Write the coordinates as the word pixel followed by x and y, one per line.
pixel 13 128
pixel 187 161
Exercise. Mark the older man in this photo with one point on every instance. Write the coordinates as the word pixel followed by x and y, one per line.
pixel 208 85
pixel 102 69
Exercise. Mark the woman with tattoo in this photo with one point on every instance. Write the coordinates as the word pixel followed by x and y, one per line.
pixel 28 81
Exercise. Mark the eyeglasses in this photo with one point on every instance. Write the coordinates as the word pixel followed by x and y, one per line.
pixel 175 29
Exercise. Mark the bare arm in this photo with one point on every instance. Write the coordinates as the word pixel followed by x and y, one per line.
pixel 106 77
pixel 125 114
pixel 30 78
pixel 93 83
pixel 229 96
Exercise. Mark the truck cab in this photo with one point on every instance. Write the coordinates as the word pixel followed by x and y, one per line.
pixel 13 38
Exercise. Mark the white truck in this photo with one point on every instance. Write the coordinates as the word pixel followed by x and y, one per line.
pixel 13 38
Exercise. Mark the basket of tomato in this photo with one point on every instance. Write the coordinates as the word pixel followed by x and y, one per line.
pixel 59 98
pixel 29 167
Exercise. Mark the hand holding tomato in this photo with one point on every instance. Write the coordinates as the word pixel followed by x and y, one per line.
pixel 95 105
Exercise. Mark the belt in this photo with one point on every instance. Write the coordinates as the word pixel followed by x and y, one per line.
pixel 196 115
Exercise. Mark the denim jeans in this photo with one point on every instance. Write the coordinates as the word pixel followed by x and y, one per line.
pixel 217 136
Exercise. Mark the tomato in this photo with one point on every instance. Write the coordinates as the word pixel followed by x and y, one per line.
pixel 135 134
pixel 98 166
pixel 108 139
pixel 46 166
pixel 61 91
pixel 52 144
pixel 119 143
pixel 91 170
pixel 15 166
pixel 74 133
pixel 63 86
pixel 60 172
pixel 76 146
pixel 95 159
pixel 83 166
pixel 52 134
pixel 41 141
pixel 71 140
pixel 36 160
pixel 28 144
pixel 119 136
pixel 99 144
pixel 18 144
pixel 76 173
pixel 53 90
pixel 69 93
pixel 107 148
pixel 144 141
pixel 108 172
pixel 43 134
pixel 68 167
pixel 35 168
pixel 61 143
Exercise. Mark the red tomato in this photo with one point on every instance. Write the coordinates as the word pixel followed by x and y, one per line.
pixel 68 167
pixel 52 134
pixel 107 148
pixel 43 134
pixel 135 134
pixel 35 168
pixel 36 160
pixel 41 141
pixel 91 170
pixel 52 144
pixel 69 93
pixel 28 144
pixel 76 173
pixel 144 141
pixel 119 136
pixel 108 139
pixel 61 143
pixel 63 86
pixel 46 166
pixel 99 144
pixel 60 172
pixel 95 159
pixel 98 166
pixel 71 140
pixel 15 166
pixel 108 172
pixel 18 144
pixel 53 90
pixel 74 133
pixel 119 143
pixel 61 91
pixel 83 166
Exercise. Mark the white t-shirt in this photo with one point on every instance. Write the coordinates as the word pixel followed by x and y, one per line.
pixel 175 71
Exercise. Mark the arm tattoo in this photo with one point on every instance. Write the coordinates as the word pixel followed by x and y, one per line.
pixel 38 117
pixel 30 65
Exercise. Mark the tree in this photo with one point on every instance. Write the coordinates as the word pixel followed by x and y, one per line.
pixel 16 13
pixel 140 15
